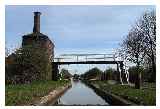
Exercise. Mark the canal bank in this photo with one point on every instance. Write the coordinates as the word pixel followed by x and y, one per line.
pixel 146 96
pixel 52 97
pixel 111 98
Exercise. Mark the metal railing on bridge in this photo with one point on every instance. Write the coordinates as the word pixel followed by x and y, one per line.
pixel 86 57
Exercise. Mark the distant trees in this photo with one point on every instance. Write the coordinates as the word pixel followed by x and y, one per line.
pixel 76 76
pixel 65 74
pixel 133 73
pixel 93 73
pixel 140 43
pixel 109 74
pixel 28 63
pixel 97 74
pixel 146 74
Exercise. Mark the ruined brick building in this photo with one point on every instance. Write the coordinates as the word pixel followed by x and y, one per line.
pixel 34 38
pixel 38 38
pixel 43 41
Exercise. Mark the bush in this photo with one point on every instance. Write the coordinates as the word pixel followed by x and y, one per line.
pixel 30 63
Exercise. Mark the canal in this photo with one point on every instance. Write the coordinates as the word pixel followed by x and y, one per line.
pixel 80 94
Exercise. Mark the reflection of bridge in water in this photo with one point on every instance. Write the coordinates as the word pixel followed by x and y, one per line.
pixel 67 59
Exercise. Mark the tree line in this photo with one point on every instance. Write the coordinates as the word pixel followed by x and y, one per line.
pixel 112 74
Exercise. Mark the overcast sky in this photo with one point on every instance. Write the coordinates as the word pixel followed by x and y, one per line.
pixel 75 29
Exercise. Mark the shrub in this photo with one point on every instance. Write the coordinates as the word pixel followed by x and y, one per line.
pixel 30 63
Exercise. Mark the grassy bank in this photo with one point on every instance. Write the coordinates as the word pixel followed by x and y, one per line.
pixel 25 94
pixel 144 96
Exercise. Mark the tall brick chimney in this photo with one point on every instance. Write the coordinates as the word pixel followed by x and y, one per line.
pixel 37 39
pixel 36 28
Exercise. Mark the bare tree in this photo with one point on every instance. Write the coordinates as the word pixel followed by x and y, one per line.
pixel 140 43
pixel 132 46
pixel 6 52
pixel 147 26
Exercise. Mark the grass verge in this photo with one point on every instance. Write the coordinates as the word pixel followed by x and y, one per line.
pixel 144 96
pixel 25 94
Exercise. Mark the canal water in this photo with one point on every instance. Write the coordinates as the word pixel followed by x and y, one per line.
pixel 80 94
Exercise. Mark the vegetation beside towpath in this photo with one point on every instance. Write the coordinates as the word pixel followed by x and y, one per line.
pixel 144 96
pixel 25 94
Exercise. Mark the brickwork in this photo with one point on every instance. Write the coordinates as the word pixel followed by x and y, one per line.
pixel 38 38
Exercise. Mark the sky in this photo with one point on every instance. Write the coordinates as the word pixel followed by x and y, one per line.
pixel 75 29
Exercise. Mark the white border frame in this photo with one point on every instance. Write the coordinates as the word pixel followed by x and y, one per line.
pixel 73 2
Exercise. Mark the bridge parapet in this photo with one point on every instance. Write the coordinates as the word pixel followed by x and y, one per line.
pixel 86 57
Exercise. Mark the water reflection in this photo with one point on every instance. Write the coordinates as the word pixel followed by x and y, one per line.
pixel 80 94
